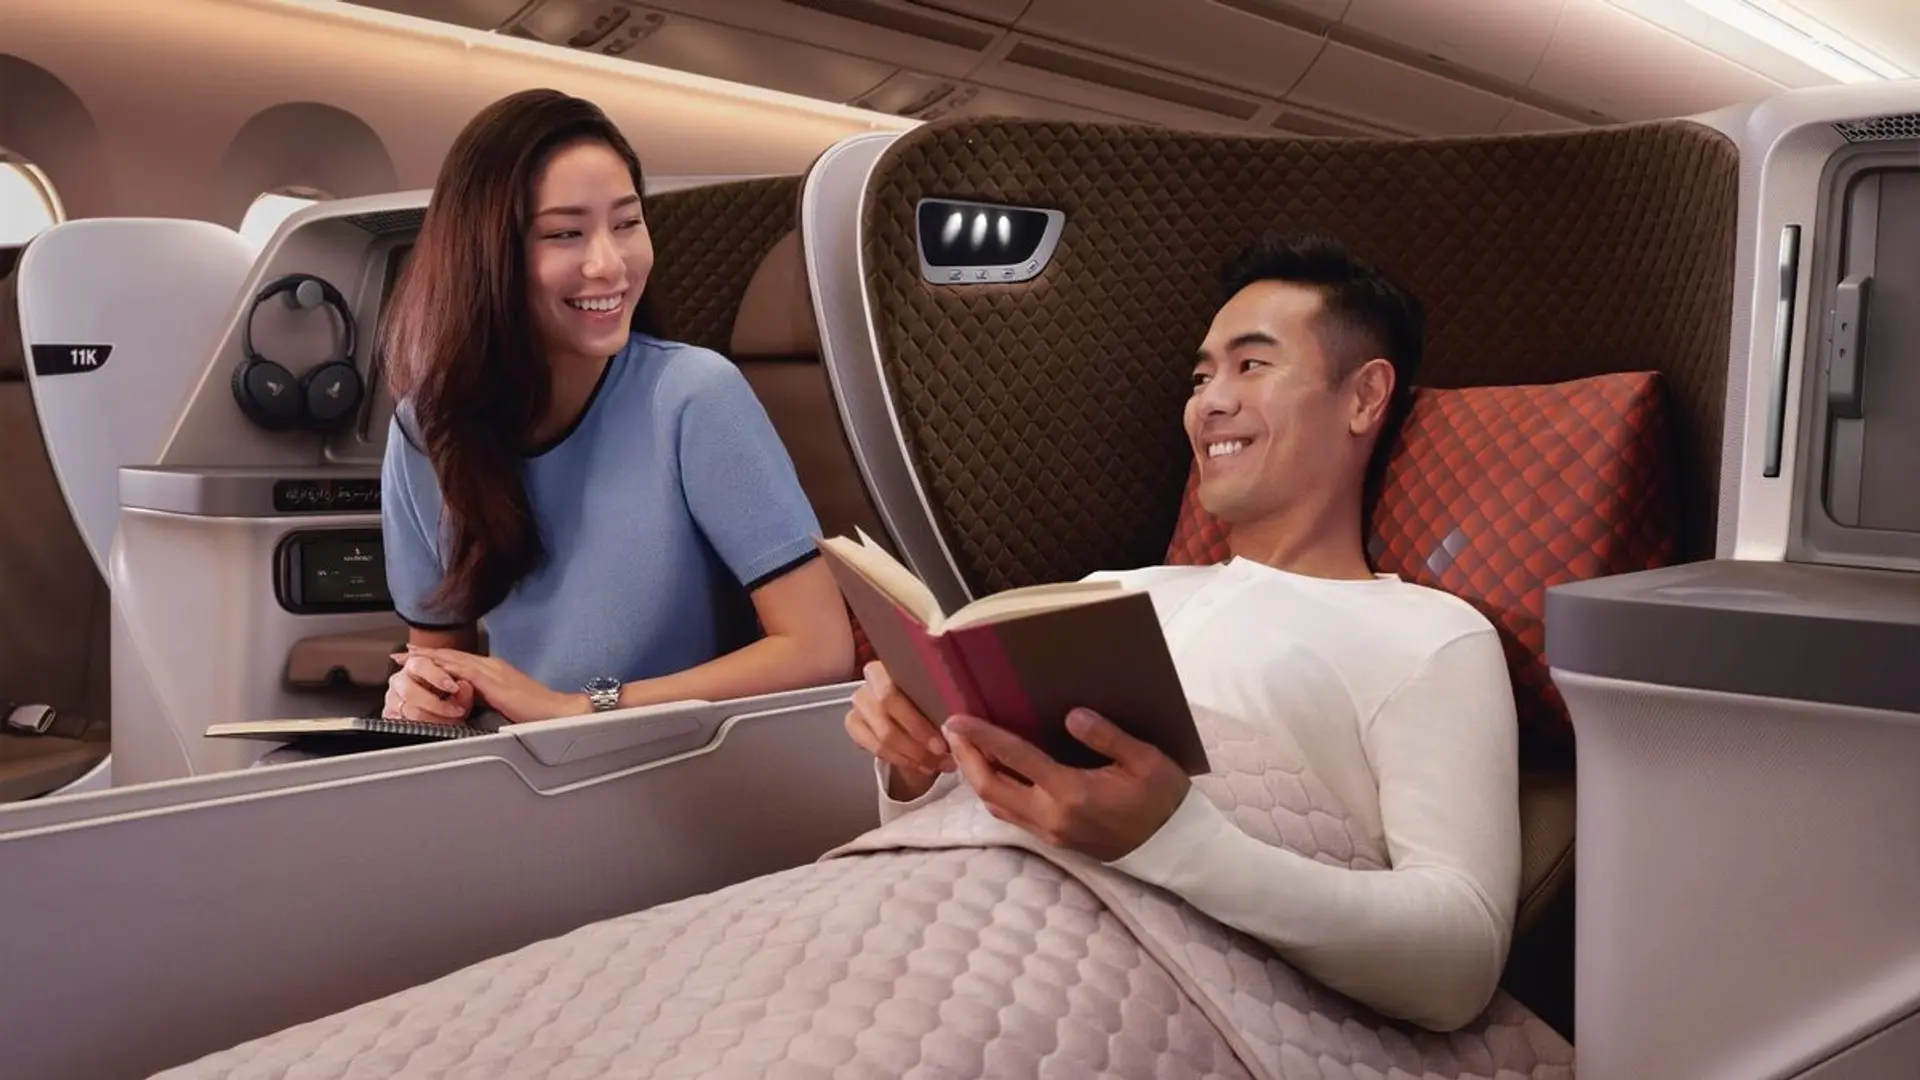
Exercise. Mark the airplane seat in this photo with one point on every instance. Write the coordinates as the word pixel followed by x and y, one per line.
pixel 1014 391
pixel 777 346
pixel 53 601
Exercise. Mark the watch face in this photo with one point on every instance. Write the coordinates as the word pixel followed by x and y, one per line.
pixel 602 685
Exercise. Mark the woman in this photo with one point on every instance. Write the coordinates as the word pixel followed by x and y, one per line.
pixel 609 502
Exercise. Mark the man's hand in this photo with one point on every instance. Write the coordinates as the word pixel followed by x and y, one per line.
pixel 887 725
pixel 511 693
pixel 1104 813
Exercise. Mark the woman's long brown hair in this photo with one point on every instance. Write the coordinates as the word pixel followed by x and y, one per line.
pixel 460 345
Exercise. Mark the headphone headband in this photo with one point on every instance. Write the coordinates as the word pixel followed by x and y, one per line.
pixel 330 296
pixel 323 398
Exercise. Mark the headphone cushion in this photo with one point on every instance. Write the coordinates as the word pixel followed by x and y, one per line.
pixel 267 393
pixel 331 393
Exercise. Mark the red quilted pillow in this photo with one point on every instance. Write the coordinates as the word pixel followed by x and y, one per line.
pixel 1494 493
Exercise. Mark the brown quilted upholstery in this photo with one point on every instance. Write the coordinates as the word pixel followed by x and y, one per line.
pixel 1495 493
pixel 1044 418
pixel 707 242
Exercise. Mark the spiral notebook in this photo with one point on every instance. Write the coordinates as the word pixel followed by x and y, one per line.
pixel 484 723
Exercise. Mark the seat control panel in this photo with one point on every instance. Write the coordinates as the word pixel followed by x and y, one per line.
pixel 330 571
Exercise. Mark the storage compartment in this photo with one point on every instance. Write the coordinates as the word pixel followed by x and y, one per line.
pixel 1860 426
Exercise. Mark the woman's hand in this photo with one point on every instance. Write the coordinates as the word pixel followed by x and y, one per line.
pixel 509 691
pixel 422 691
pixel 888 726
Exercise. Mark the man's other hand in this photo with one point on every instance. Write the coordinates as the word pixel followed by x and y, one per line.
pixel 887 725
pixel 1103 813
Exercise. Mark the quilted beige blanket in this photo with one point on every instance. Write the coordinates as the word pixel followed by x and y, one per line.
pixel 943 945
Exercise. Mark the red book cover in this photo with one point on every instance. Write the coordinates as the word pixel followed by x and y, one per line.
pixel 1024 659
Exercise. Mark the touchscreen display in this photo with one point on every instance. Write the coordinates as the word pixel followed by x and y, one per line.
pixel 343 572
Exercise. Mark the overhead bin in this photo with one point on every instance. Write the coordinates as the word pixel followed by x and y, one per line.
pixel 1078 77
pixel 1612 61
pixel 908 93
pixel 706 48
pixel 1523 118
pixel 1326 11
pixel 1856 497
pixel 1368 87
pixel 1003 12
pixel 891 32
pixel 1215 42
pixel 1495 37
pixel 475 14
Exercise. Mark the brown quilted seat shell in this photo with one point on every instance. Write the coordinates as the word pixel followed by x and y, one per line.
pixel 707 243
pixel 1044 418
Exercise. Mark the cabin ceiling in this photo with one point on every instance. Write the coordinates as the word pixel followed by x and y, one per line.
pixel 1408 67
pixel 1889 27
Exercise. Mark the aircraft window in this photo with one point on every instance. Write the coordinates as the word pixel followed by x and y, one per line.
pixel 28 203
pixel 270 209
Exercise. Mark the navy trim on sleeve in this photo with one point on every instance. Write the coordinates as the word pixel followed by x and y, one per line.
pixel 432 626
pixel 782 571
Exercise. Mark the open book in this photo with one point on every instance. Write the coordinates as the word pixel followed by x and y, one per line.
pixel 1024 658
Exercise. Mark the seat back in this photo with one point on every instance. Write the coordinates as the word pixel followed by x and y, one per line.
pixel 777 346
pixel 1028 426
pixel 53 601
pixel 1042 418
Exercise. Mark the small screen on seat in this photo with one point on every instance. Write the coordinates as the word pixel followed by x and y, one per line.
pixel 323 571
pixel 334 572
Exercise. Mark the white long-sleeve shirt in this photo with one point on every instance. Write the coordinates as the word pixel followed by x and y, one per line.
pixel 1398 699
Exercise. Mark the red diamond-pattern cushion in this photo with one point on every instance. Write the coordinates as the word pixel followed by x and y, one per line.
pixel 1494 493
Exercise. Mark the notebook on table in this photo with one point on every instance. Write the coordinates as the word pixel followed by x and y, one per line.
pixel 372 728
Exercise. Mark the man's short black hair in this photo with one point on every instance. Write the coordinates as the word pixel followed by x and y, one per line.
pixel 1365 313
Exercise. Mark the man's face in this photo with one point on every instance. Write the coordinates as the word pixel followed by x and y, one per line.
pixel 1272 422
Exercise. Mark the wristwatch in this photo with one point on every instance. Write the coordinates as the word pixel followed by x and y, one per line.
pixel 603 693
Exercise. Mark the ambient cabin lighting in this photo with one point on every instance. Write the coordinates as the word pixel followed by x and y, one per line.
pixel 1784 29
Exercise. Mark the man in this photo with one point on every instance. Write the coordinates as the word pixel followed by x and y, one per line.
pixel 1395 696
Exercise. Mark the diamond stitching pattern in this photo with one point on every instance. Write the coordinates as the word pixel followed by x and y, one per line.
pixel 1043 418
pixel 1496 493
pixel 708 241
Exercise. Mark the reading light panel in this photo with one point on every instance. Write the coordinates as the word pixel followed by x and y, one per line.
pixel 976 243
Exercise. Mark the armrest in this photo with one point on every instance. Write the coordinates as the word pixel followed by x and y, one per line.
pixel 1747 734
pixel 669 729
pixel 1728 625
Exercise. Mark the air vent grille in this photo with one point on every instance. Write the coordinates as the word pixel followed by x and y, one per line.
pixel 383 222
pixel 928 26
pixel 1880 128
pixel 1030 54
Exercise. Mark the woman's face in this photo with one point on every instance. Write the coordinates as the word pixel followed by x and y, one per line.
pixel 588 253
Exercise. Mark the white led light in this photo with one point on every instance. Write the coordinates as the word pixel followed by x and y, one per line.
pixel 1776 26
pixel 951 231
pixel 1004 228
pixel 979 229
pixel 1801 38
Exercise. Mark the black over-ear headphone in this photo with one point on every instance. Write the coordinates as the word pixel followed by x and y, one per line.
pixel 322 399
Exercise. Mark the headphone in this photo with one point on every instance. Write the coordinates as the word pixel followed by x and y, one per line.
pixel 325 397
